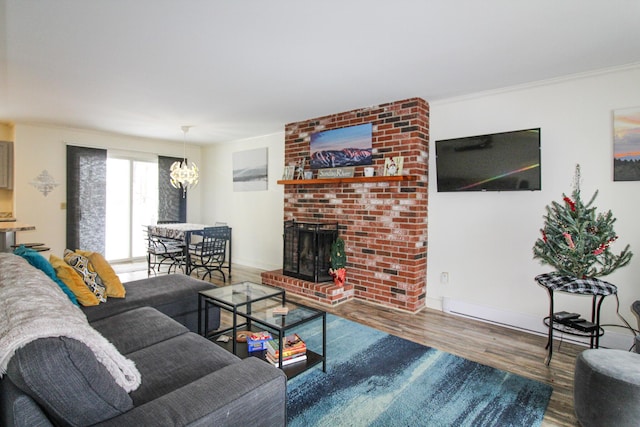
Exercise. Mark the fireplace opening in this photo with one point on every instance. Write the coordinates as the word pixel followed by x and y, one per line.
pixel 307 250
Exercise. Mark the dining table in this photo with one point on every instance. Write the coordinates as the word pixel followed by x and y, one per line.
pixel 181 232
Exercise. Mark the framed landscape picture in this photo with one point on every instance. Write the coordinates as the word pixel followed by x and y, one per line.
pixel 250 171
pixel 350 146
pixel 626 144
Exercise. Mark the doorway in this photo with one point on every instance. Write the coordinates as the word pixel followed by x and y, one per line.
pixel 132 203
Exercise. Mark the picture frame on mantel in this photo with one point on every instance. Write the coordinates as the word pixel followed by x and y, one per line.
pixel 393 166
pixel 288 173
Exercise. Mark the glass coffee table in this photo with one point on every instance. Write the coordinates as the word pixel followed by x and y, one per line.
pixel 231 298
pixel 252 307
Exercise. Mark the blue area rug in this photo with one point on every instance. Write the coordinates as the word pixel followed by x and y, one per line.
pixel 376 379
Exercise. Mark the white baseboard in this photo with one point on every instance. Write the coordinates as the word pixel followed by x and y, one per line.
pixel 528 323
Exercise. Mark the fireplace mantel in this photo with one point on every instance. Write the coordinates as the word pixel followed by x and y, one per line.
pixel 401 178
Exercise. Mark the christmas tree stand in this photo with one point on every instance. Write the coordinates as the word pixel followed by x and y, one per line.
pixel 597 288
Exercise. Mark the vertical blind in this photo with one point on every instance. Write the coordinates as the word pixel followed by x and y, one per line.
pixel 172 206
pixel 86 198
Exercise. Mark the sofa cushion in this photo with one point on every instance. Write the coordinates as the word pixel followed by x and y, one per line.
pixel 175 295
pixel 106 273
pixel 64 377
pixel 174 363
pixel 34 258
pixel 139 328
pixel 72 279
pixel 248 393
pixel 82 265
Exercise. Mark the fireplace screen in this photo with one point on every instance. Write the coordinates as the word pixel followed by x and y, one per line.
pixel 307 249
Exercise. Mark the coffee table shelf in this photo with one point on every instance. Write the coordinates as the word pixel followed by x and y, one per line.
pixel 290 371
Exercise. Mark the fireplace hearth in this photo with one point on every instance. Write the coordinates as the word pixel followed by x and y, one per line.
pixel 307 250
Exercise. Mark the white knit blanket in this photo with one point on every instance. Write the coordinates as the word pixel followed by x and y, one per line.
pixel 33 306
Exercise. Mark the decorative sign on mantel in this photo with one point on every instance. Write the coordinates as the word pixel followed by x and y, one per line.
pixel 336 173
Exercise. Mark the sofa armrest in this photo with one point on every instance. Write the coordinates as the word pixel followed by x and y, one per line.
pixel 250 392
pixel 18 409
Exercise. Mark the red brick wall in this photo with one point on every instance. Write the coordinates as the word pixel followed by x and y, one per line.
pixel 384 224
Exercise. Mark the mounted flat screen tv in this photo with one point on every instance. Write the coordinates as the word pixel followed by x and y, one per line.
pixel 506 161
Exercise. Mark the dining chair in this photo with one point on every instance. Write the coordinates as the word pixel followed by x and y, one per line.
pixel 208 250
pixel 163 251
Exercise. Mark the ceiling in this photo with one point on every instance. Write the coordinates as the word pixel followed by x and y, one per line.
pixel 235 69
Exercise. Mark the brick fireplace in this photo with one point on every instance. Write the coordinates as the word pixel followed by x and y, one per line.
pixel 383 220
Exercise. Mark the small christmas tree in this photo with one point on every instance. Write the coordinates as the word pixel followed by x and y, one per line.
pixel 338 262
pixel 576 241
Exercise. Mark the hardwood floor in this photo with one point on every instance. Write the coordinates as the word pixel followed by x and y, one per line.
pixel 492 345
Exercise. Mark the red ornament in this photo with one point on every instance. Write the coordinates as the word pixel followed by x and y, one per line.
pixel 569 240
pixel 571 203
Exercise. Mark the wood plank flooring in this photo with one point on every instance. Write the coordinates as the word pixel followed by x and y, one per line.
pixel 492 345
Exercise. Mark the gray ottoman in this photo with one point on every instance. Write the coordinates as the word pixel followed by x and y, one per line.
pixel 606 388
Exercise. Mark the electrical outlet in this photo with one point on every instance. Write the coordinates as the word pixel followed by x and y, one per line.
pixel 444 277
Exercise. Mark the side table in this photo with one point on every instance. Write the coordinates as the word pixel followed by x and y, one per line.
pixel 597 288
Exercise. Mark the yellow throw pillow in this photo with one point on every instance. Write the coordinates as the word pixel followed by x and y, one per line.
pixel 72 279
pixel 109 277
pixel 82 265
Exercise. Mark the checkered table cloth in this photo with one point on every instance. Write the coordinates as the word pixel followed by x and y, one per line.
pixel 589 286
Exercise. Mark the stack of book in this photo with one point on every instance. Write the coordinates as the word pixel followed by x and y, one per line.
pixel 293 350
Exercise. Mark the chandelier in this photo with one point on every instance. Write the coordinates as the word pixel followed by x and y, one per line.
pixel 183 176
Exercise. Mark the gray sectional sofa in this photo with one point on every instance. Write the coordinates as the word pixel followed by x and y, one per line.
pixel 84 376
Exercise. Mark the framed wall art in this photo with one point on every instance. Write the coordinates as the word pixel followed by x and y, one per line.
pixel 250 170
pixel 349 146
pixel 626 144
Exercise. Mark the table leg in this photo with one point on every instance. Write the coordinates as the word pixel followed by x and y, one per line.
pixel 597 322
pixel 550 337
pixel 230 251
pixel 280 348
pixel 235 330
pixel 7 239
pixel 199 314
pixel 593 320
pixel 324 342
pixel 206 318
pixel 187 256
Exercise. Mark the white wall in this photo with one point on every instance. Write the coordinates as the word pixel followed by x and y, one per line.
pixel 255 216
pixel 484 240
pixel 39 147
